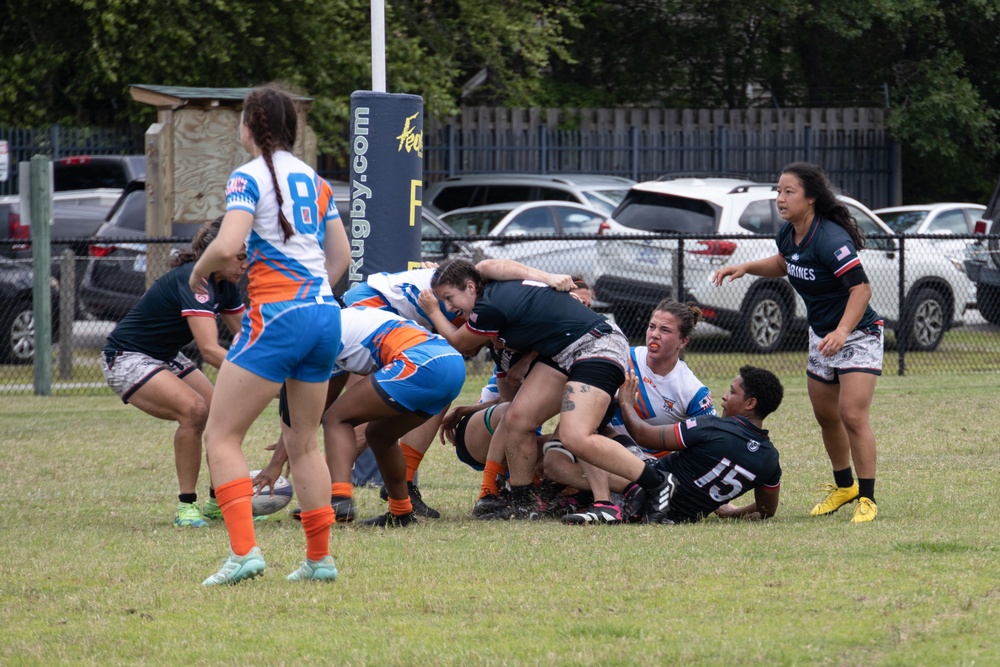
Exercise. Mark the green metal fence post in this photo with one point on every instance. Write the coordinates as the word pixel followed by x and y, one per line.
pixel 41 233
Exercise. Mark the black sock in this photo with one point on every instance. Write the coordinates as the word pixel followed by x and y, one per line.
pixel 650 478
pixel 843 478
pixel 603 502
pixel 866 488
pixel 211 492
pixel 187 497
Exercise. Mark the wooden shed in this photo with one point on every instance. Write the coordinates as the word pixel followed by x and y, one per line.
pixel 190 152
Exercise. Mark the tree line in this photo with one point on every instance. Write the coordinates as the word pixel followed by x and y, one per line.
pixel 932 63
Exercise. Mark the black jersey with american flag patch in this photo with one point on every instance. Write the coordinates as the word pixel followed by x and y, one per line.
pixel 816 267
pixel 157 324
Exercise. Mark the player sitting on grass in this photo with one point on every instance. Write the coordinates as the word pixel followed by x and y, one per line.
pixel 716 459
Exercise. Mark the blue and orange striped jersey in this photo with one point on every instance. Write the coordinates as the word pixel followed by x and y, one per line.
pixel 280 270
pixel 374 338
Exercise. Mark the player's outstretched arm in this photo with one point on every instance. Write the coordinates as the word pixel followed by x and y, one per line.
pixel 647 435
pixel 508 269
pixel 770 267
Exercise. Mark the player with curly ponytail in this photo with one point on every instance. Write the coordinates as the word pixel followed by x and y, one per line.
pixel 297 249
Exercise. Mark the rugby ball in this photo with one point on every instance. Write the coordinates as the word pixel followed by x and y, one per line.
pixel 265 503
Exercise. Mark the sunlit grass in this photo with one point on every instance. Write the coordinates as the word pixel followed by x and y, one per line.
pixel 95 574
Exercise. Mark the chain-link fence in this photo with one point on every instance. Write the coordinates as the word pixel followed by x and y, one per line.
pixel 921 287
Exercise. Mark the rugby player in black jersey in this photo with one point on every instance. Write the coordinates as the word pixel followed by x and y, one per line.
pixel 581 362
pixel 716 459
pixel 818 252
pixel 148 341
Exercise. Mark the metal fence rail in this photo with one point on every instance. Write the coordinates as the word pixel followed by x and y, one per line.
pixel 901 270
pixel 860 162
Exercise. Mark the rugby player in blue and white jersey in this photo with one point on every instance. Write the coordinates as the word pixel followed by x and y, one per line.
pixel 399 293
pixel 669 392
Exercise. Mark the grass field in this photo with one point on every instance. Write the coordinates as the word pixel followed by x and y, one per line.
pixel 93 572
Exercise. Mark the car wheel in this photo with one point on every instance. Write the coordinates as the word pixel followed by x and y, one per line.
pixel 766 320
pixel 17 332
pixel 925 319
pixel 18 345
pixel 988 302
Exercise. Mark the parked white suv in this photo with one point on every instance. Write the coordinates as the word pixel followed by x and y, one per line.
pixel 739 221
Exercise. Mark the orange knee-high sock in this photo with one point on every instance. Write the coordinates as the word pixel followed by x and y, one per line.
pixel 413 459
pixel 400 507
pixel 342 489
pixel 317 524
pixel 490 472
pixel 237 511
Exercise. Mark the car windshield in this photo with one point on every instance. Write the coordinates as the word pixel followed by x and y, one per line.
pixel 605 200
pixel 652 212
pixel 903 222
pixel 474 223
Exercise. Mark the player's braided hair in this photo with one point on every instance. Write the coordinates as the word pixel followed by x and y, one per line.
pixel 270 115
pixel 817 186
pixel 687 314
pixel 455 273
pixel 201 239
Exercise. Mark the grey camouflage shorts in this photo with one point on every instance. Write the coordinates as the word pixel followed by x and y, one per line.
pixel 126 372
pixel 862 353
pixel 611 346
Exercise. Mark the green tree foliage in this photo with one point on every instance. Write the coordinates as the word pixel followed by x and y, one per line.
pixel 936 61
pixel 71 61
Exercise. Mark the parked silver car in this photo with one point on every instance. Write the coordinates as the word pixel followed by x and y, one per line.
pixel 516 226
pixel 943 219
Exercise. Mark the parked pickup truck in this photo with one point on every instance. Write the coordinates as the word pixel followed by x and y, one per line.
pixel 982 262
pixel 76 215
pixel 85 187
